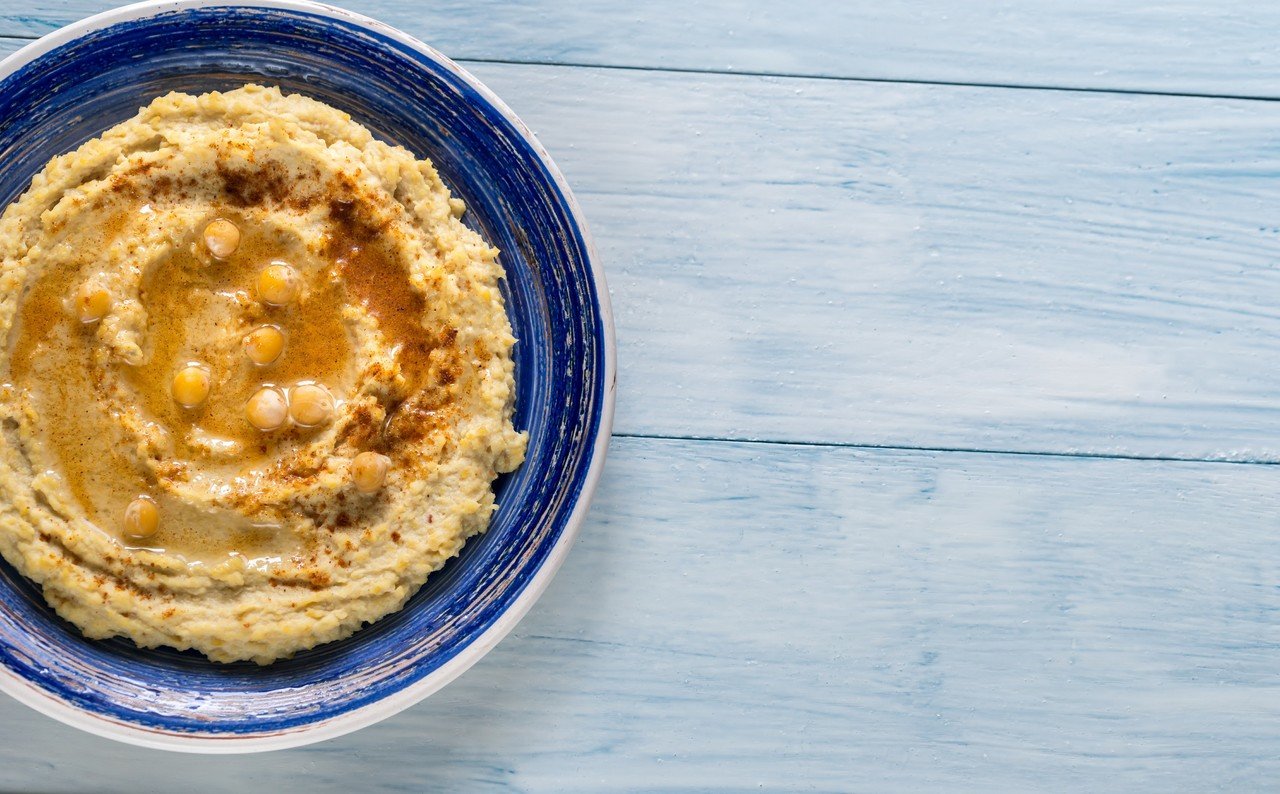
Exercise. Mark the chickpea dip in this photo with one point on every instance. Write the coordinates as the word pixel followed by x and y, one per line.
pixel 257 378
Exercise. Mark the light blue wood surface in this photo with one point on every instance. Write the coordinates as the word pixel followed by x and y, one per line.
pixel 928 266
pixel 1207 47
pixel 925 265
pixel 743 615
pixel 805 268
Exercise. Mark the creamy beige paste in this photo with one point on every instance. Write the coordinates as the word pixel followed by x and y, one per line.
pixel 133 278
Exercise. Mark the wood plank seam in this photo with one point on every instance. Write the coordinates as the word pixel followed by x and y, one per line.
pixel 875 80
pixel 926 200
pixel 946 449
pixel 836 78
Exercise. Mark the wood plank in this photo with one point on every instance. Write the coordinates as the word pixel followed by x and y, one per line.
pixel 817 618
pixel 9 44
pixel 928 266
pixel 925 266
pixel 1215 48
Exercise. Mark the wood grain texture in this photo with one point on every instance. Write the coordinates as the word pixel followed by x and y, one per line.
pixel 1215 48
pixel 833 262
pixel 926 266
pixel 834 619
pixel 11 44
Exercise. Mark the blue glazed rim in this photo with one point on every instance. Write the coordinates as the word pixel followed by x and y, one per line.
pixel 52 98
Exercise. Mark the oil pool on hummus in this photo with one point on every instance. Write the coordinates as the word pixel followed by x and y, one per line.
pixel 257 380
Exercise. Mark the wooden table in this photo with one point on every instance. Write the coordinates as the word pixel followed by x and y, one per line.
pixel 946 419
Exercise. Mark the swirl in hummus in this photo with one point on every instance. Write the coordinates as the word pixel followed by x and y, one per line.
pixel 257 380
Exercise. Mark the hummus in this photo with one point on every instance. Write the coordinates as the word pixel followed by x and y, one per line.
pixel 257 378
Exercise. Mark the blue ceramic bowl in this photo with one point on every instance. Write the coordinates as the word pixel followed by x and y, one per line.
pixel 77 82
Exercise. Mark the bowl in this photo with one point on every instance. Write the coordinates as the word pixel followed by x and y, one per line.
pixel 72 85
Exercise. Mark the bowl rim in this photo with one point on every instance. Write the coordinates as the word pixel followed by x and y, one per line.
pixel 46 703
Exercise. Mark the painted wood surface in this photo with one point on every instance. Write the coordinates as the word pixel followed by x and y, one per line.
pixel 1214 48
pixel 928 266
pixel 834 262
pixel 742 615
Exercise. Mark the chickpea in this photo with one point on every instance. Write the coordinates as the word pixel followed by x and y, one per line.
pixel 267 409
pixel 310 404
pixel 278 284
pixel 92 303
pixel 191 385
pixel 141 518
pixel 264 344
pixel 222 238
pixel 369 471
